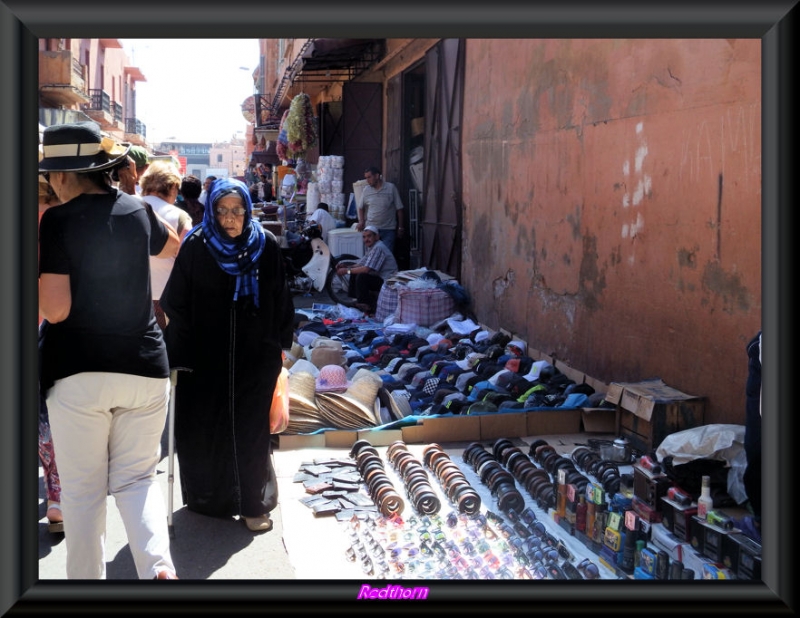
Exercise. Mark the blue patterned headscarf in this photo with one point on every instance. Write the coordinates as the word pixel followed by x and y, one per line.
pixel 236 256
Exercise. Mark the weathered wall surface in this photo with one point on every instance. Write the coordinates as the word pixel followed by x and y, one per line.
pixel 612 201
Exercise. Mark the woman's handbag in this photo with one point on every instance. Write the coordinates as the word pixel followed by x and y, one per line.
pixel 279 410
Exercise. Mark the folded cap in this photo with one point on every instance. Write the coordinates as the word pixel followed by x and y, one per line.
pixel 516 347
pixel 306 337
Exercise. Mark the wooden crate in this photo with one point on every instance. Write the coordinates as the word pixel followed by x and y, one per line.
pixel 649 411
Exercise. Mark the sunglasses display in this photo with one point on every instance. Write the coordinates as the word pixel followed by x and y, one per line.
pixel 417 524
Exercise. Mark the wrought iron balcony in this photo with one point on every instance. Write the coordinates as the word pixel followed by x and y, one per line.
pixel 101 101
pixel 117 112
pixel 265 117
pixel 135 127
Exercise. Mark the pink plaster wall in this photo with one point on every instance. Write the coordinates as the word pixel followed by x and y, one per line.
pixel 612 205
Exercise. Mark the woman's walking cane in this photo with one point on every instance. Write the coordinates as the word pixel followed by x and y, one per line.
pixel 173 379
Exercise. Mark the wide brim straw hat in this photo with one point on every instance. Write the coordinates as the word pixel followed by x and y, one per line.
pixel 303 422
pixel 302 392
pixel 357 407
pixel 79 147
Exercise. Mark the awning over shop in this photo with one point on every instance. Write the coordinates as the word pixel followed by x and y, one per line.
pixel 337 58
pixel 326 61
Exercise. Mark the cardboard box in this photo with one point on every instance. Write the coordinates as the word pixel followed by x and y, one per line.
pixel 573 374
pixel 383 437
pixel 341 438
pixel 599 420
pixel 444 429
pixel 650 410
pixel 549 422
pixel 289 442
pixel 457 428
pixel 597 385
pixel 504 425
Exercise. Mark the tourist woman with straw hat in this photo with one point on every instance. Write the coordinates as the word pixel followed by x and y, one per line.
pixel 104 368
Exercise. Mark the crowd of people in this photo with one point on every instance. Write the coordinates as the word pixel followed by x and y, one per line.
pixel 144 272
pixel 135 283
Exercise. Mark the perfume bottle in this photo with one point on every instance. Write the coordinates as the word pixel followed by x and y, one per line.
pixel 580 514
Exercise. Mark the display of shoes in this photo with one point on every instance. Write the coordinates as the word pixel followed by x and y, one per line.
pixel 258 524
pixel 54 518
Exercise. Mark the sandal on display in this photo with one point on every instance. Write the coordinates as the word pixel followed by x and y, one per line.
pixel 55 520
pixel 258 524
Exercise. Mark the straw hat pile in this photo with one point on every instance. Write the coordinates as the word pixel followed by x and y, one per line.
pixel 303 412
pixel 355 408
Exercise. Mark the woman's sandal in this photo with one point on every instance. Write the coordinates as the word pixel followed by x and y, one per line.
pixel 54 518
pixel 258 524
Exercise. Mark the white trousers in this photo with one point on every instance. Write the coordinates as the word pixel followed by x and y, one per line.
pixel 107 430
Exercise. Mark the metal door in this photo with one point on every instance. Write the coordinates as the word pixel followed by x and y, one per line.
pixel 362 123
pixel 442 215
pixel 330 121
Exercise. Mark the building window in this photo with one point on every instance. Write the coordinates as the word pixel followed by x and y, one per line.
pixel 219 158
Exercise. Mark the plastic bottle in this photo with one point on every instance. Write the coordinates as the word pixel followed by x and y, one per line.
pixel 705 503
pixel 637 556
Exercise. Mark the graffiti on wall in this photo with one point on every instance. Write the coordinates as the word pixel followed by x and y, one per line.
pixel 638 185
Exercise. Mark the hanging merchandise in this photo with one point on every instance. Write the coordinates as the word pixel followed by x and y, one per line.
pixel 281 148
pixel 301 126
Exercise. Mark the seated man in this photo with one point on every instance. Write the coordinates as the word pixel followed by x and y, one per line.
pixel 368 273
pixel 323 218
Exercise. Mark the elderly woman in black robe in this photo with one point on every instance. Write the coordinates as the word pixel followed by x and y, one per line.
pixel 230 316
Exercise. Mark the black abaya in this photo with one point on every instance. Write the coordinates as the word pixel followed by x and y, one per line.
pixel 229 354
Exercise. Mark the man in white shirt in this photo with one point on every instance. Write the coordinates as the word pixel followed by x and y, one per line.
pixel 381 207
pixel 323 218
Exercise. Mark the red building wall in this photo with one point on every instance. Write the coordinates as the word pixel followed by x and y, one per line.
pixel 612 205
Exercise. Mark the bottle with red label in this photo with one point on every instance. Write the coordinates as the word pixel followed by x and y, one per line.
pixel 705 503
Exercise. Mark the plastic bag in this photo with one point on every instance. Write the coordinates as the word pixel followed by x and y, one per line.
pixel 279 410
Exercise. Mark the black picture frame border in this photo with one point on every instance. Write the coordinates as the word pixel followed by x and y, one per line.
pixel 22 23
